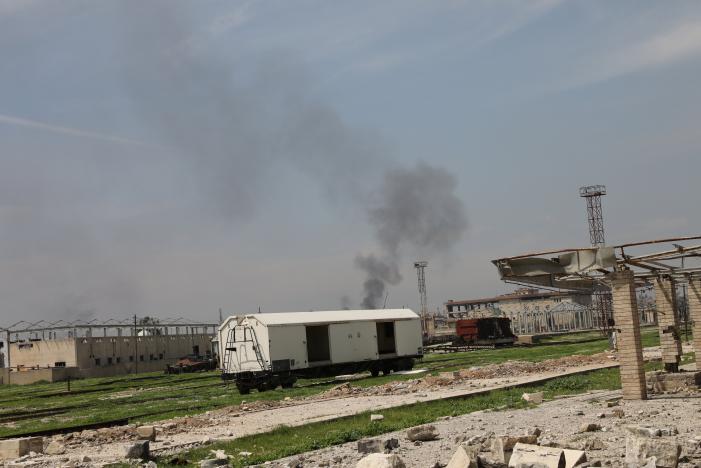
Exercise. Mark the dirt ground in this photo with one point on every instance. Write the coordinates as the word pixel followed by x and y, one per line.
pixel 559 420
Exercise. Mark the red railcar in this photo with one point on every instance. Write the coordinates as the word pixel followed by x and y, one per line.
pixel 484 331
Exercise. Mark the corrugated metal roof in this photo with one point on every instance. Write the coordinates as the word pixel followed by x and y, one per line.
pixel 330 316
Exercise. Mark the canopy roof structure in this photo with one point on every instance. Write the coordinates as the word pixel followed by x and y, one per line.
pixel 584 268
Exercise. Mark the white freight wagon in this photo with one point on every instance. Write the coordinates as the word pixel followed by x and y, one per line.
pixel 266 350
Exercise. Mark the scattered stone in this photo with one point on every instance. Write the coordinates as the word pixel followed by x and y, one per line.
pixel 55 448
pixel 619 413
pixel 534 431
pixel 213 462
pixel 640 449
pixel 535 398
pixel 370 446
pixel 241 454
pixel 390 444
pixel 422 433
pixel 381 460
pixel 86 459
pixel 138 450
pixel 589 427
pixel 376 417
pixel 146 433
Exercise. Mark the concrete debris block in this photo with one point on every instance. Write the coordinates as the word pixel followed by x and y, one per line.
pixel 381 460
pixel 464 457
pixel 488 461
pixel 532 456
pixel 15 448
pixel 589 427
pixel 55 448
pixel 146 433
pixel 502 446
pixel 370 446
pixel 138 450
pixel 640 449
pixel 535 398
pixel 644 431
pixel 150 464
pixel 213 462
pixel 376 417
pixel 574 457
pixel 422 433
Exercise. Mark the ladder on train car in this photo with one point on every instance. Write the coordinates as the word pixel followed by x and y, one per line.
pixel 249 336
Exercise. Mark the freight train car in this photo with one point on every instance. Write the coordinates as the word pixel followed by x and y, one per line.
pixel 263 351
pixel 484 331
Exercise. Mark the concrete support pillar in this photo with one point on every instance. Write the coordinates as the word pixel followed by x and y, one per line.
pixel 695 316
pixel 666 300
pixel 630 354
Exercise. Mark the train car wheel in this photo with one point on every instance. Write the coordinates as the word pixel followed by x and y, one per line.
pixel 374 372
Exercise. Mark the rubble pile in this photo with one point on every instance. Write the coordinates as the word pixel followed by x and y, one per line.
pixel 446 379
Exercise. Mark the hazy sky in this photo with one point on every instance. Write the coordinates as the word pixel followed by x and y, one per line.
pixel 170 158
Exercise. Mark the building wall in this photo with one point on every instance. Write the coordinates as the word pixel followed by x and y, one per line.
pixel 43 353
pixel 103 356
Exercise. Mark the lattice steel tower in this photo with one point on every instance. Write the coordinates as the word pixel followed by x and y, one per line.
pixel 593 194
pixel 420 267
pixel 595 215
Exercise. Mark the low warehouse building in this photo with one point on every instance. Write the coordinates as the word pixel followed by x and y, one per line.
pixel 36 357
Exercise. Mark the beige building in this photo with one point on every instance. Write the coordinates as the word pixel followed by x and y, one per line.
pixel 531 310
pixel 34 358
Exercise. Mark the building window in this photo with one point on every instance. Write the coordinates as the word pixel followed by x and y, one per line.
pixel 150 357
pixel 60 364
pixel 119 359
pixel 97 361
pixel 131 358
pixel 141 358
pixel 109 361
pixel 160 357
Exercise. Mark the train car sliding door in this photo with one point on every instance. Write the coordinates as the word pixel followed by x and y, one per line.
pixel 318 350
pixel 386 338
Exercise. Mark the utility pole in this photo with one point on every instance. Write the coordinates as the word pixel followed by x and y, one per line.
pixel 136 348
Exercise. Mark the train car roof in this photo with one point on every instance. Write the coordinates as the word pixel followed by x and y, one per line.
pixel 332 316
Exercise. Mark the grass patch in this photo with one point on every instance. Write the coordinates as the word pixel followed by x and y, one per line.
pixel 156 396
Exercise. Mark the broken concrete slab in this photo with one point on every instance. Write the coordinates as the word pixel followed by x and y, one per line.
pixel 464 457
pixel 640 449
pixel 370 446
pixel 574 457
pixel 529 456
pixel 503 446
pixel 381 460
pixel 15 448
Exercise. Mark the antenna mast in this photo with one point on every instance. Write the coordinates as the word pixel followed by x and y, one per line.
pixel 420 267
pixel 595 215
